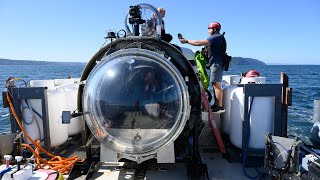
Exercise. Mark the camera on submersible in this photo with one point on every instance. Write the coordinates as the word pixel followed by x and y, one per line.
pixel 135 14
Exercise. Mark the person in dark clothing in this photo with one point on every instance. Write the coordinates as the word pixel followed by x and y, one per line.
pixel 216 44
pixel 164 36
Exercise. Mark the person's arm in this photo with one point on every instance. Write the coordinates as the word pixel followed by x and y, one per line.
pixel 195 42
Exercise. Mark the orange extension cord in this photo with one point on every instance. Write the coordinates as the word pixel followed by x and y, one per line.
pixel 57 163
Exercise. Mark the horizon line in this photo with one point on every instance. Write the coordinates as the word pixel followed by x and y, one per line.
pixel 89 60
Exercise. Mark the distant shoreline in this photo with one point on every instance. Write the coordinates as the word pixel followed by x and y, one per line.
pixel 235 61
pixel 32 62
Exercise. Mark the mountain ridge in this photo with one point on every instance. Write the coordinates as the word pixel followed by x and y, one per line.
pixel 234 61
pixel 33 62
pixel 246 61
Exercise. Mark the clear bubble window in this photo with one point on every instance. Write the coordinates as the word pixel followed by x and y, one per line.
pixel 135 101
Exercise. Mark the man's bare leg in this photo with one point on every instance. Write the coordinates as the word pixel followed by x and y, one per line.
pixel 218 93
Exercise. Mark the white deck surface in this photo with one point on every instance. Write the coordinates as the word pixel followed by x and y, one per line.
pixel 218 168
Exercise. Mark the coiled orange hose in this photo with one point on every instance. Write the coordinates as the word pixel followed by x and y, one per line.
pixel 57 163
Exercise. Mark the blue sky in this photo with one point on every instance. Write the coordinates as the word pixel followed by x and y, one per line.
pixel 274 31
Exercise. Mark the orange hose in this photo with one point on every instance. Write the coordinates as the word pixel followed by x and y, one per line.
pixel 57 163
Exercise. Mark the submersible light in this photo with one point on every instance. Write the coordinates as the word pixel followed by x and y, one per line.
pixel 135 101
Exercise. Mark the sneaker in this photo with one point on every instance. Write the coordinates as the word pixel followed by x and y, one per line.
pixel 217 109
pixel 214 106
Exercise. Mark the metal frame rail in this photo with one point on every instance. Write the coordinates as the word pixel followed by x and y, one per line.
pixel 19 93
pixel 263 90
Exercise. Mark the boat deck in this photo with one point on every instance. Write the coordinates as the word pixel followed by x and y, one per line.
pixel 218 167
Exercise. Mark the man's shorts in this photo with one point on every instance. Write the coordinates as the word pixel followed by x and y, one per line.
pixel 216 73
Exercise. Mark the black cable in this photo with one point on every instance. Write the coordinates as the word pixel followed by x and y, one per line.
pixel 106 54
pixel 103 44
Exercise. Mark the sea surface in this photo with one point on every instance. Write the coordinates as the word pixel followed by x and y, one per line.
pixel 303 79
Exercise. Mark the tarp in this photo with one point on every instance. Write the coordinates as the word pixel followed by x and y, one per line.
pixel 201 61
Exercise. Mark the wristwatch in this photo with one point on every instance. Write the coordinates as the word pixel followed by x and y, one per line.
pixel 187 42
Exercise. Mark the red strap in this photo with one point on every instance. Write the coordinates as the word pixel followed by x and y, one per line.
pixel 216 132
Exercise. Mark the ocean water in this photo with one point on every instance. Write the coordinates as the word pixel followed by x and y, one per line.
pixel 32 72
pixel 304 79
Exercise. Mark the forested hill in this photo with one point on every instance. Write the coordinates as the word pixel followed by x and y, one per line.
pixel 246 61
pixel 31 62
pixel 235 61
